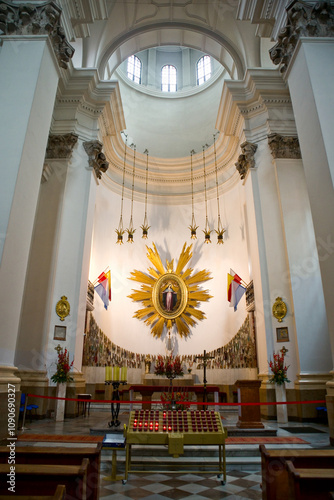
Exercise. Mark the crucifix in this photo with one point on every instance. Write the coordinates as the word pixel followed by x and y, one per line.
pixel 204 358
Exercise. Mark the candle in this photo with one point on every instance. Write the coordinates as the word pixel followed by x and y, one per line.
pixel 124 370
pixel 108 372
pixel 116 373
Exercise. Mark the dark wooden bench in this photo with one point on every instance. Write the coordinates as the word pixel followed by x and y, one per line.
pixel 59 495
pixel 309 484
pixel 42 477
pixel 275 477
pixel 62 455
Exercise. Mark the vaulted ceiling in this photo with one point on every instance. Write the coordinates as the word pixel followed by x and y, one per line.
pixel 105 33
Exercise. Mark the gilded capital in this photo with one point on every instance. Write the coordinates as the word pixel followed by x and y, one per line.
pixel 61 146
pixel 97 159
pixel 303 20
pixel 284 146
pixel 35 19
pixel 246 160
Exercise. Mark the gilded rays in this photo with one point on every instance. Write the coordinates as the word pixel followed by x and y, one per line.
pixel 170 297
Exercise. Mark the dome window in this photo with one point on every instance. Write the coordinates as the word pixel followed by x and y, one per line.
pixel 168 78
pixel 134 69
pixel 203 69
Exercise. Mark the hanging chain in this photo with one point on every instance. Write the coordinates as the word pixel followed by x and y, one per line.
pixel 126 143
pixel 206 204
pixel 214 149
pixel 133 177
pixel 192 185
pixel 146 151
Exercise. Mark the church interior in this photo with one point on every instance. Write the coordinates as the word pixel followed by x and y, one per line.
pixel 167 213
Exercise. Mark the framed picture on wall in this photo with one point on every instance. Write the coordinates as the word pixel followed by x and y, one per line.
pixel 282 334
pixel 59 333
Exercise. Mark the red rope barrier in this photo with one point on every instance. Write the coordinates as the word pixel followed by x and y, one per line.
pixel 183 402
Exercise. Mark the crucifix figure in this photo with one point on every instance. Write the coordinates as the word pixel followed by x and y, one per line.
pixel 204 358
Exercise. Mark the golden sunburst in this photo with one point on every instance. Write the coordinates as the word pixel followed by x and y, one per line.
pixel 170 297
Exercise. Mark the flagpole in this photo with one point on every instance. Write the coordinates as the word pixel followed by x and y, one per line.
pixel 100 275
pixel 242 281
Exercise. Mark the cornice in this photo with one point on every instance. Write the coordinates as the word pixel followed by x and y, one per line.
pixel 169 177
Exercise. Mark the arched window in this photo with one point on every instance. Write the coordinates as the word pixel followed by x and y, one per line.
pixel 168 78
pixel 134 69
pixel 203 69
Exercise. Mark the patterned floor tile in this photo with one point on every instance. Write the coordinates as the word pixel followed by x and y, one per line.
pixel 240 485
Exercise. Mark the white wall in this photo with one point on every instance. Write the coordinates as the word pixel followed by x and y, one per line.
pixel 169 231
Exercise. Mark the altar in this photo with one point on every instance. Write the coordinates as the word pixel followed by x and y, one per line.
pixel 158 380
pixel 146 391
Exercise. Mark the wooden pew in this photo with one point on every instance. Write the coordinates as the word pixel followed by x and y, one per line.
pixel 59 495
pixel 309 484
pixel 275 477
pixel 62 455
pixel 41 479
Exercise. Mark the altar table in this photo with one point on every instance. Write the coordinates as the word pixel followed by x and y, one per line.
pixel 146 392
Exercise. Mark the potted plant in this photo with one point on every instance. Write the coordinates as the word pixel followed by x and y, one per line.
pixel 279 377
pixel 61 377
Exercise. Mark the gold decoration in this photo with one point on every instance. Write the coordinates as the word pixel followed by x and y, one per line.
pixel 279 309
pixel 63 308
pixel 170 297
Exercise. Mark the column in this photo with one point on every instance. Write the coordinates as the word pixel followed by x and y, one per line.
pixel 314 350
pixel 305 54
pixel 152 80
pixel 276 241
pixel 33 48
pixel 186 71
pixel 30 356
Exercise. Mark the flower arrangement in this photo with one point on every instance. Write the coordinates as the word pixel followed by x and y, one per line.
pixel 167 398
pixel 159 368
pixel 172 367
pixel 63 366
pixel 278 368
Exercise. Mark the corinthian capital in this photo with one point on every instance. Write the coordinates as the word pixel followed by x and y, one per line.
pixel 36 19
pixel 61 146
pixel 246 159
pixel 284 146
pixel 303 20
pixel 97 159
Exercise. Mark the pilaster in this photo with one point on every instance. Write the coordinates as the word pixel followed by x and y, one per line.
pixel 35 382
pixel 33 45
pixel 310 387
pixel 256 108
pixel 305 50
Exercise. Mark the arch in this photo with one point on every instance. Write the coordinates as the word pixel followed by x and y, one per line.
pixel 180 34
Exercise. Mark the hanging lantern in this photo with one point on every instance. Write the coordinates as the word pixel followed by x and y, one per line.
pixel 130 230
pixel 207 231
pixel 193 226
pixel 120 231
pixel 145 227
pixel 220 230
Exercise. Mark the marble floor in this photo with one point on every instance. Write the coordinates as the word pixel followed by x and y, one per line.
pixel 242 462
